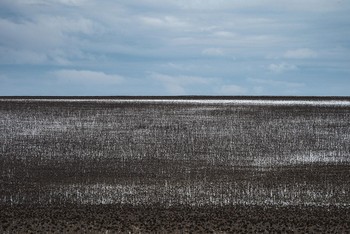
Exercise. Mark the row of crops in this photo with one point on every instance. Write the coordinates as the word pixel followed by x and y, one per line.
pixel 173 153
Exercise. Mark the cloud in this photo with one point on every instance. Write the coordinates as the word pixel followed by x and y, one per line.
pixel 224 5
pixel 166 21
pixel 213 52
pixel 196 37
pixel 43 31
pixel 232 90
pixel 72 2
pixel 52 2
pixel 3 77
pixel 271 82
pixel 43 39
pixel 177 85
pixel 14 56
pixel 282 67
pixel 303 53
pixel 87 77
pixel 225 34
pixel 262 86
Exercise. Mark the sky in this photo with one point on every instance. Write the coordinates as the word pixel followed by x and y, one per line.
pixel 175 47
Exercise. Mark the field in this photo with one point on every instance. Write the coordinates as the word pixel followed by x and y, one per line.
pixel 229 163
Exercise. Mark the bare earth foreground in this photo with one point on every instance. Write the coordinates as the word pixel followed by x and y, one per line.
pixel 175 165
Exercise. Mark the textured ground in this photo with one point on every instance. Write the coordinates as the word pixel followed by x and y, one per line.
pixel 228 219
pixel 220 166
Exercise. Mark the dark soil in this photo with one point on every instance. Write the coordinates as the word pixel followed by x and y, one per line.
pixel 157 219
pixel 208 168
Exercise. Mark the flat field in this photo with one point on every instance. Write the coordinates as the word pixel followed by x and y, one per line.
pixel 218 158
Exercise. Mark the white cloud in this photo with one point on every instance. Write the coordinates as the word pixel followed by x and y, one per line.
pixel 177 85
pixel 72 2
pixel 176 37
pixel 179 66
pixel 52 2
pixel 225 34
pixel 28 35
pixel 14 56
pixel 37 40
pixel 302 53
pixel 165 21
pixel 282 67
pixel 296 5
pixel 213 52
pixel 232 90
pixel 3 77
pixel 70 25
pixel 222 5
pixel 271 82
pixel 85 76
pixel 181 79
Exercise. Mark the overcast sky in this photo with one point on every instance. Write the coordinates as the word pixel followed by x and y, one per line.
pixel 175 47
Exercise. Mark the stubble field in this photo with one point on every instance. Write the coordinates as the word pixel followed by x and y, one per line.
pixel 220 163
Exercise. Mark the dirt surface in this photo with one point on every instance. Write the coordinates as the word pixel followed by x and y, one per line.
pixel 156 219
pixel 67 165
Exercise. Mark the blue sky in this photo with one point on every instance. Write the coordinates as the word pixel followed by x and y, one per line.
pixel 175 47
